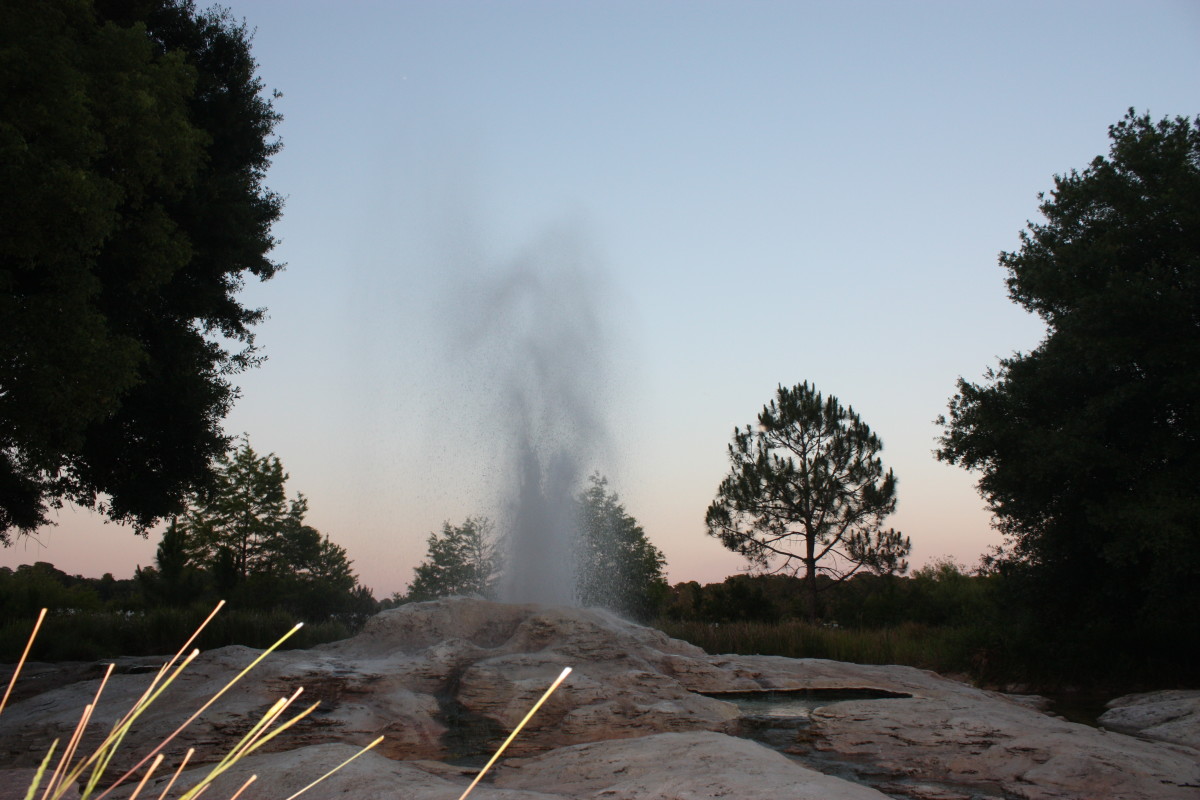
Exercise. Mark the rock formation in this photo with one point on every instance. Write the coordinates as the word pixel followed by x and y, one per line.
pixel 1172 716
pixel 641 716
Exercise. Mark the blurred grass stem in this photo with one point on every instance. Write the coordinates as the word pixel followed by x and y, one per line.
pixel 566 671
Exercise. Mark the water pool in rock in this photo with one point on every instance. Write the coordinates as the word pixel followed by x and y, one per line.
pixel 796 703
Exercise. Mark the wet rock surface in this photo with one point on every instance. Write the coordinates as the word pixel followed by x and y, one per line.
pixel 641 716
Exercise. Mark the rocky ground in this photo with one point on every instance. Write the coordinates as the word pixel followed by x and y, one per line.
pixel 641 717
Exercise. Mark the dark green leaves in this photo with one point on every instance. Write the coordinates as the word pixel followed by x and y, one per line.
pixel 246 541
pixel 1087 446
pixel 616 567
pixel 462 560
pixel 806 490
pixel 133 143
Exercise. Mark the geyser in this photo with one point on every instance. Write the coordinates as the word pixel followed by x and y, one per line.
pixel 538 337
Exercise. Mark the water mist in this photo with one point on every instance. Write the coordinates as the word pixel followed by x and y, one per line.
pixel 536 337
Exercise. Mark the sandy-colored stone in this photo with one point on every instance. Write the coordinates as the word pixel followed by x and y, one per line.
pixel 667 766
pixel 358 702
pixel 962 736
pixel 14 784
pixel 470 668
pixel 369 777
pixel 687 766
pixel 1170 716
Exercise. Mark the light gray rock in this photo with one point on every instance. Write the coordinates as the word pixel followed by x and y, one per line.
pixel 691 766
pixel 1170 716
pixel 451 678
pixel 368 777
pixel 358 702
pixel 14 784
pixel 959 738
pixel 667 766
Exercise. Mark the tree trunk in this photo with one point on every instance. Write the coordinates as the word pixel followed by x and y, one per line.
pixel 810 576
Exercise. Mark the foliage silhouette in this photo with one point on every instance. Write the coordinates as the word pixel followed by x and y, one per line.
pixel 808 473
pixel 1086 447
pixel 616 566
pixel 463 560
pixel 246 540
pixel 133 147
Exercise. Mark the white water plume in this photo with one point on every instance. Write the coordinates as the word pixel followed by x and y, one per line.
pixel 536 342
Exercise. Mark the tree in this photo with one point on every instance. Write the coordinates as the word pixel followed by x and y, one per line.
pixel 32 587
pixel 248 538
pixel 1088 447
pixel 463 560
pixel 809 473
pixel 133 147
pixel 246 520
pixel 175 580
pixel 616 566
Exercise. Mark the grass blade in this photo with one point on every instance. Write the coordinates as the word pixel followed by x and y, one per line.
pixel 20 663
pixel 566 671
pixel 202 708
pixel 335 769
pixel 41 770
pixel 158 759
pixel 238 793
pixel 175 776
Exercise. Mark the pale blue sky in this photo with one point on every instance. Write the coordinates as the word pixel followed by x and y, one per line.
pixel 759 193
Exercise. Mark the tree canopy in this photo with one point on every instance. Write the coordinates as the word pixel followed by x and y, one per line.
pixel 616 566
pixel 463 560
pixel 133 148
pixel 1088 447
pixel 806 490
pixel 246 539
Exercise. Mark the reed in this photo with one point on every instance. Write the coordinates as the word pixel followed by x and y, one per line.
pixel 54 778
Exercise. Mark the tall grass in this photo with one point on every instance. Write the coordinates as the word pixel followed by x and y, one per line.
pixel 92 635
pixel 78 774
pixel 81 775
pixel 942 649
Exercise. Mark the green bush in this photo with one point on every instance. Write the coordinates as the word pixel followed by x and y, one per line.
pixel 92 635
pixel 943 649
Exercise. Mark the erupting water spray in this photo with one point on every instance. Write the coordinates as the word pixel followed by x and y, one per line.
pixel 537 335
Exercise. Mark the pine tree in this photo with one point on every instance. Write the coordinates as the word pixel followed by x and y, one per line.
pixel 807 491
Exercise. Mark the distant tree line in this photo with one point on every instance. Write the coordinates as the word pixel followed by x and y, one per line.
pixel 106 617
pixel 29 588
pixel 942 593
pixel 243 541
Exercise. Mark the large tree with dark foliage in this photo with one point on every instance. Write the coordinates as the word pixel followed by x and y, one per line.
pixel 134 141
pixel 807 490
pixel 1088 447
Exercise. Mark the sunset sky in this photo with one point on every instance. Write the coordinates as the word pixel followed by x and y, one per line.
pixel 708 198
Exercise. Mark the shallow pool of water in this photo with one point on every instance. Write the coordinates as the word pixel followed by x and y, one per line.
pixel 791 707
pixel 796 703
